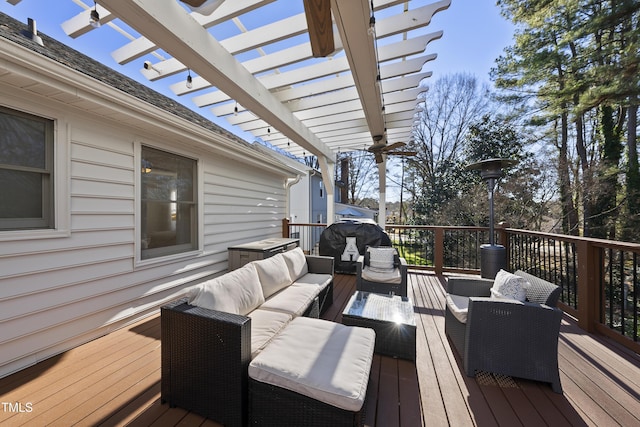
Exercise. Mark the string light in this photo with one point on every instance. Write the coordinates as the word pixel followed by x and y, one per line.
pixel 372 32
pixel 372 23
pixel 189 79
pixel 94 16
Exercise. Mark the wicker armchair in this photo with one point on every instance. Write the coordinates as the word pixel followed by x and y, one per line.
pixel 513 338
pixel 382 283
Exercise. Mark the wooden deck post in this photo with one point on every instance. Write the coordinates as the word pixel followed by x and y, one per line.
pixel 285 228
pixel 589 272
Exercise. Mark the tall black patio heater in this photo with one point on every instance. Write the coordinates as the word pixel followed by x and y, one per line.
pixel 492 257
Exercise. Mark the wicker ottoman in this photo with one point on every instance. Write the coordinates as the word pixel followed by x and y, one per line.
pixel 314 373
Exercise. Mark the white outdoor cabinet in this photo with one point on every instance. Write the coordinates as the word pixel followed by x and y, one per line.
pixel 242 254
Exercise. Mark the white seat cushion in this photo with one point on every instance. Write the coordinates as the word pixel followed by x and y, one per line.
pixel 273 273
pixel 296 262
pixel 265 324
pixel 295 299
pixel 237 292
pixel 459 306
pixel 388 276
pixel 323 360
pixel 315 279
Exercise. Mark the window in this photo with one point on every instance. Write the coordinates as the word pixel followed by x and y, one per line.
pixel 169 204
pixel 26 171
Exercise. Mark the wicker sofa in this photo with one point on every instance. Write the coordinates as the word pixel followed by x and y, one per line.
pixel 209 338
pixel 502 336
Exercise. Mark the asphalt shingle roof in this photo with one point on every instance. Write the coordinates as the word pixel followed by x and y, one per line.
pixel 14 31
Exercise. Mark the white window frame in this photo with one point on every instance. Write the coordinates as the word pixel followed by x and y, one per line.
pixel 61 203
pixel 199 233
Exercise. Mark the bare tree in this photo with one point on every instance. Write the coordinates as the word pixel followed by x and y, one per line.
pixel 363 176
pixel 452 104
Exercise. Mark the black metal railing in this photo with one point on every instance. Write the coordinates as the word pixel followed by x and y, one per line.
pixel 599 278
pixel 414 243
pixel 309 235
pixel 549 258
pixel 620 291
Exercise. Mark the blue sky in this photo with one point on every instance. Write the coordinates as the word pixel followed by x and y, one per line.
pixel 474 36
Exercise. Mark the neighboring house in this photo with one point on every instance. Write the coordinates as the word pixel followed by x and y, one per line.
pixel 307 197
pixel 345 211
pixel 114 199
pixel 310 191
pixel 307 200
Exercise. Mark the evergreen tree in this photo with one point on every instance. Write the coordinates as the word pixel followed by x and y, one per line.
pixel 580 59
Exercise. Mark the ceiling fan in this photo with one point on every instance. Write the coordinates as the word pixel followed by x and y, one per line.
pixel 203 7
pixel 379 148
pixel 317 12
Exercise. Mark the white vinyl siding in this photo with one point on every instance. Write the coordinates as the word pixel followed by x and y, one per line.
pixel 61 291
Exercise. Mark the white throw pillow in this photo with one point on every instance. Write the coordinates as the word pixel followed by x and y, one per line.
pixel 237 292
pixel 381 259
pixel 296 262
pixel 273 273
pixel 509 286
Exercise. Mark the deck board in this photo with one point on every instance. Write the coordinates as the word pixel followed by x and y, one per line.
pixel 115 380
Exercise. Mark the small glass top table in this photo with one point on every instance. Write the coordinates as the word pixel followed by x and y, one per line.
pixel 390 316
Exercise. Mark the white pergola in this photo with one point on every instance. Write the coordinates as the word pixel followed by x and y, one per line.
pixel 264 78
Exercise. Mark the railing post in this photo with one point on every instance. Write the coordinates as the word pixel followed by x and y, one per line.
pixel 589 275
pixel 438 256
pixel 285 228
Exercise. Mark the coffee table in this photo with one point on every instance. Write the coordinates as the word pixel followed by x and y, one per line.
pixel 390 316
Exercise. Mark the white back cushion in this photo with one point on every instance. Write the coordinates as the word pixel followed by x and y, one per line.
pixel 237 292
pixel 381 258
pixel 296 262
pixel 509 286
pixel 273 273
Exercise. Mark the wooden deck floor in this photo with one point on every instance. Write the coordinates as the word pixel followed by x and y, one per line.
pixel 115 380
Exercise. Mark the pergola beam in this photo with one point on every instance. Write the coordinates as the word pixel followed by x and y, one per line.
pixel 352 20
pixel 190 43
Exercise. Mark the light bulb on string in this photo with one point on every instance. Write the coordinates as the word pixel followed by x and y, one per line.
pixel 189 80
pixel 94 16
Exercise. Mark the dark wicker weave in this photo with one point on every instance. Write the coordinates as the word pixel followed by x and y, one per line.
pixel 395 338
pixel 278 407
pixel 322 265
pixel 506 337
pixel 314 309
pixel 382 288
pixel 206 353
pixel 205 356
